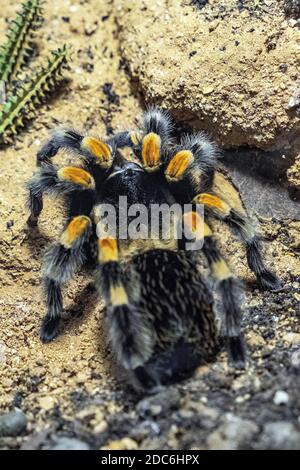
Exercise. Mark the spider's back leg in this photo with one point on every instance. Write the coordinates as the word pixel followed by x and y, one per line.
pixel 191 173
pixel 225 203
pixel 227 285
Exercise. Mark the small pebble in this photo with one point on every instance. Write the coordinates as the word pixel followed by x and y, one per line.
pixel 90 29
pixel 281 397
pixel 207 90
pixel 292 22
pixel 13 423
pixel 66 443
pixel 9 224
pixel 46 402
pixel 232 434
pixel 163 401
pixel 280 435
pixel 123 444
pixel 294 102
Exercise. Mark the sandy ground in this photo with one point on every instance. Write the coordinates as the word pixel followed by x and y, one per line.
pixel 67 389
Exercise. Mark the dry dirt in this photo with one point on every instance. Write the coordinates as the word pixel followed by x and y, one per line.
pixel 68 388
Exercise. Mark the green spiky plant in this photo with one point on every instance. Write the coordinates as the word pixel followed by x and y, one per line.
pixel 22 102
pixel 22 106
pixel 16 50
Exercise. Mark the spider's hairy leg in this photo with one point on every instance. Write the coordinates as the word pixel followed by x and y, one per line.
pixel 191 163
pixel 61 261
pixel 151 151
pixel 228 207
pixel 128 333
pixel 159 122
pixel 124 139
pixel 90 148
pixel 227 284
pixel 151 142
pixel 68 139
pixel 155 122
pixel 51 180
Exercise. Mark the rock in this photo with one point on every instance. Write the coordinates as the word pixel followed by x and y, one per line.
pixel 255 173
pixel 203 410
pixel 233 434
pixel 255 340
pixel 222 88
pixel 162 402
pixel 100 427
pixel 67 443
pixel 194 411
pixel 292 339
pixel 91 29
pixel 13 423
pixel 89 413
pixel 292 8
pixel 145 429
pixel 293 176
pixel 279 436
pixel 122 444
pixel 294 102
pixel 281 398
pixel 37 440
pixel 295 358
pixel 47 402
pixel 200 3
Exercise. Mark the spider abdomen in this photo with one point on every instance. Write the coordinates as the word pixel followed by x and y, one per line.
pixel 179 308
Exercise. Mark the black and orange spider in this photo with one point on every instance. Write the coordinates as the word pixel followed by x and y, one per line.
pixel 159 307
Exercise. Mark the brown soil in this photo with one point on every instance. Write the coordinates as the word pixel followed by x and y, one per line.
pixel 67 388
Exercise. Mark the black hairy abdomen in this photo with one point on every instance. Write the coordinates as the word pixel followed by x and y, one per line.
pixel 179 309
pixel 176 299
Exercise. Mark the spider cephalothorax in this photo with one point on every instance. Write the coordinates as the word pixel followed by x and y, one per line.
pixel 159 308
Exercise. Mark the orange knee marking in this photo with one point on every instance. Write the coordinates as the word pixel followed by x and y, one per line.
pixel 99 149
pixel 214 202
pixel 108 249
pixel 77 176
pixel 75 228
pixel 179 164
pixel 151 150
pixel 196 224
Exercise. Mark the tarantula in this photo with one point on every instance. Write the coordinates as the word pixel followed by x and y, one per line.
pixel 159 307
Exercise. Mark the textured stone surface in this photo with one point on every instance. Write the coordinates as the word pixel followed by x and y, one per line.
pixel 293 175
pixel 229 68
pixel 279 435
pixel 12 423
pixel 66 443
pixel 233 434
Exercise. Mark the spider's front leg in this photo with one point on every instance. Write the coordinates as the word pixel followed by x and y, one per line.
pixel 149 143
pixel 225 203
pixel 227 285
pixel 128 331
pixel 51 180
pixel 61 261
pixel 91 149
